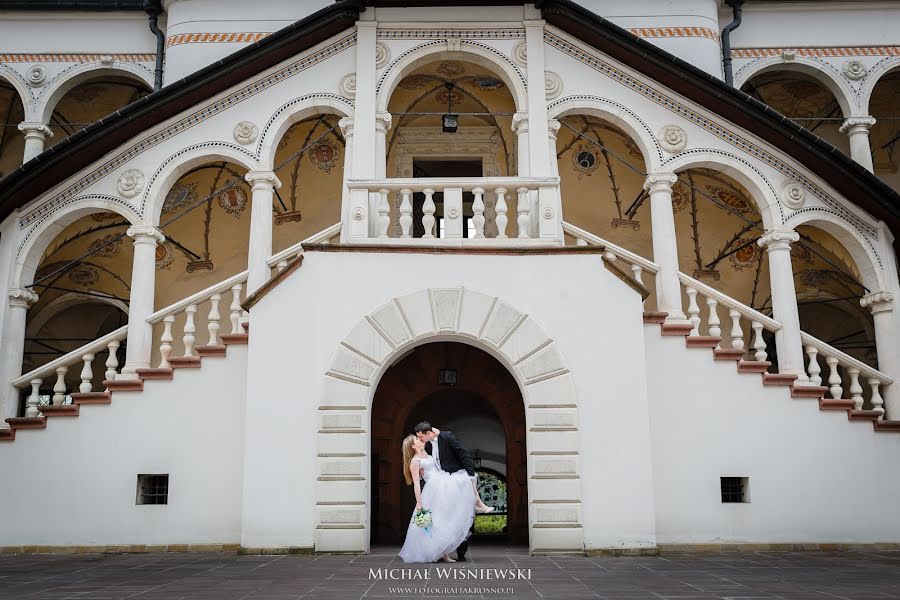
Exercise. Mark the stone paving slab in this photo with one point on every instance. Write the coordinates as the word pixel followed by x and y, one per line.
pixel 228 576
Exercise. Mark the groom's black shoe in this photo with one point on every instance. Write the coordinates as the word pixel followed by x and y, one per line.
pixel 461 558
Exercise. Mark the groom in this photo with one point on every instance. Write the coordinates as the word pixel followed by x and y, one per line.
pixel 451 456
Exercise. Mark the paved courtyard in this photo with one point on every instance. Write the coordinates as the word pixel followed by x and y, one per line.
pixel 173 576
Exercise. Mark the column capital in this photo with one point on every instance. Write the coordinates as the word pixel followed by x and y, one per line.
pixel 383 122
pixel 21 297
pixel 857 124
pixel 145 234
pixel 346 125
pixel 520 122
pixel 778 240
pixel 657 182
pixel 263 180
pixel 877 302
pixel 35 129
pixel 553 127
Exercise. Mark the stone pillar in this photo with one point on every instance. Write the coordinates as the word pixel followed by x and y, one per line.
pixel 881 305
pixel 537 98
pixel 553 127
pixel 857 129
pixel 382 126
pixel 141 303
pixel 520 127
pixel 665 245
pixel 35 136
pixel 346 125
pixel 20 299
pixel 260 250
pixel 784 302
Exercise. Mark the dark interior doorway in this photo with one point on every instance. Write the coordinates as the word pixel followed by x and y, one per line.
pixel 444 168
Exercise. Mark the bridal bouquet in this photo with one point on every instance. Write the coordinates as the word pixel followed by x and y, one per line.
pixel 422 518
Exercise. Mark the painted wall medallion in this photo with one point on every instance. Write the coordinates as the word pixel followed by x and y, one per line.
pixel 164 256
pixel 324 155
pixel 84 275
pixel 488 83
pixel 731 199
pixel 415 82
pixel 451 68
pixel 100 217
pixel 233 200
pixel 585 160
pixel 681 197
pixel 746 256
pixel 107 246
pixel 179 196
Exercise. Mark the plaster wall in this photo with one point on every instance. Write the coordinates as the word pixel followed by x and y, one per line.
pixel 814 477
pixel 76 32
pixel 80 474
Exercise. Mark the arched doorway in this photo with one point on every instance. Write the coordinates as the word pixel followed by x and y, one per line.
pixel 463 389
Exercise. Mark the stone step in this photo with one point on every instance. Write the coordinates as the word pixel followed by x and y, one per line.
pixel 728 354
pixel 675 329
pixel 234 338
pixel 185 362
pixel 887 426
pixel 655 317
pixel 780 379
pixel 156 373
pixel 124 385
pixel 218 350
pixel 863 415
pixel 832 404
pixel 753 366
pixel 27 422
pixel 59 410
pixel 91 398
pixel 702 341
pixel 808 391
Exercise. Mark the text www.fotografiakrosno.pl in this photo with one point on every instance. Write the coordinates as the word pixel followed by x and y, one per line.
pixel 450 576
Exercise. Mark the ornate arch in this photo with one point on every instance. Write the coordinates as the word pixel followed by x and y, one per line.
pixel 619 115
pixel 182 161
pixel 470 51
pixel 879 70
pixel 761 189
pixel 860 248
pixel 463 315
pixel 65 301
pixel 821 71
pixel 36 239
pixel 290 113
pixel 13 78
pixel 67 79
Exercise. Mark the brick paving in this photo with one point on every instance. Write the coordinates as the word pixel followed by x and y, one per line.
pixel 228 576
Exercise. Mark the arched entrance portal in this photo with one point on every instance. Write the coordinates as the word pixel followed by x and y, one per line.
pixel 463 389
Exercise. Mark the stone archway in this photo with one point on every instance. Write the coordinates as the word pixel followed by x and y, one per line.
pixel 517 342
pixel 411 384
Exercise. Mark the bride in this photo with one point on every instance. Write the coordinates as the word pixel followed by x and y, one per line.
pixel 450 499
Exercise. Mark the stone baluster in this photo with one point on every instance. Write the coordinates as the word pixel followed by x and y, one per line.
pixel 112 361
pixel 165 345
pixel 581 242
pixel 834 378
pixel 478 211
pixel 637 272
pixel 281 265
pixel 213 320
pixel 876 400
pixel 500 208
pixel 87 374
pixel 610 256
pixel 189 330
pixel 405 212
pixel 384 213
pixel 759 344
pixel 737 332
pixel 855 388
pixel 235 308
pixel 713 320
pixel 813 369
pixel 523 210
pixel 693 310
pixel 31 405
pixel 428 218
pixel 59 390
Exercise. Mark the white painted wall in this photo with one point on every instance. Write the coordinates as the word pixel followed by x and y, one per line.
pixel 75 482
pixel 814 476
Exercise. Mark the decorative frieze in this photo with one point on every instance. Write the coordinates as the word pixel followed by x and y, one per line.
pixel 676 32
pixel 232 37
pixel 825 52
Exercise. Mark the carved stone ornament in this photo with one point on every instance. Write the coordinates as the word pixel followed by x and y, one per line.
pixel 245 132
pixel 359 213
pixel 37 75
pixel 520 53
pixel 788 55
pixel 672 139
pixel 22 297
pixel 877 301
pixel 793 195
pixel 107 60
pixel 382 55
pixel 553 84
pixel 854 69
pixel 130 183
pixel 347 86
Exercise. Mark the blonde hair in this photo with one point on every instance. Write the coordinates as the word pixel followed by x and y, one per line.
pixel 408 453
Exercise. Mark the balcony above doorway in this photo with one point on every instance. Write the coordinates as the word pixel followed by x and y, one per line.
pixel 455 211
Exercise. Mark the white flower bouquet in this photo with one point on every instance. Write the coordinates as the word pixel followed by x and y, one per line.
pixel 422 518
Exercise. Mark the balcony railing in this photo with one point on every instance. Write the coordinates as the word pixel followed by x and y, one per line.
pixel 489 211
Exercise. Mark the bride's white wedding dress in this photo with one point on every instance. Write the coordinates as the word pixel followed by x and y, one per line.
pixel 451 500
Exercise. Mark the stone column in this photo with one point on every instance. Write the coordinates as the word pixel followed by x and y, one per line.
pixel 537 97
pixel 784 302
pixel 881 305
pixel 857 129
pixel 260 250
pixel 520 127
pixel 141 303
pixel 20 299
pixel 665 246
pixel 553 127
pixel 35 135
pixel 382 126
pixel 346 125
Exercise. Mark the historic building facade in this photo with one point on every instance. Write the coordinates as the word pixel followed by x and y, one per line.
pixel 651 283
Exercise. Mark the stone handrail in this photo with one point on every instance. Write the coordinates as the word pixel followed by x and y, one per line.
pixel 535 220
pixel 197 298
pixel 725 300
pixel 281 258
pixel 618 252
pixel 838 361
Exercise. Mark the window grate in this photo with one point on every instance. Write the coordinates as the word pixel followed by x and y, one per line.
pixel 153 489
pixel 734 489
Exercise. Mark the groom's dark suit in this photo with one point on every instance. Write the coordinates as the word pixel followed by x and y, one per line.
pixel 453 457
